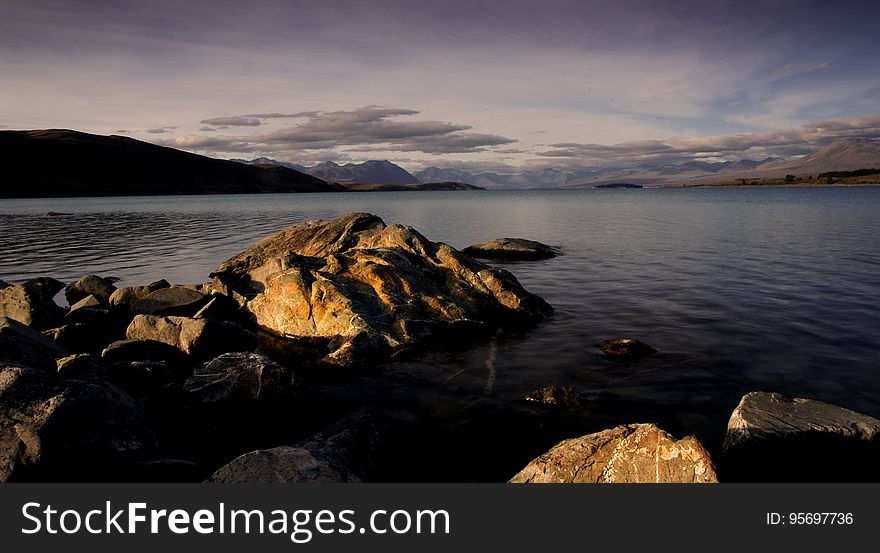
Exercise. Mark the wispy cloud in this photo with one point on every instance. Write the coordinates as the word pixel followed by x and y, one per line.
pixel 234 121
pixel 790 142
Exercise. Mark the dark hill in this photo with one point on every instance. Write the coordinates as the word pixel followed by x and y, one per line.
pixel 57 163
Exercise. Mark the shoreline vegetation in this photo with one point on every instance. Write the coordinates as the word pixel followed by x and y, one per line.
pixel 227 381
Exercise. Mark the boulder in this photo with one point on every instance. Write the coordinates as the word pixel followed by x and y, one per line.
pixel 370 289
pixel 12 328
pixel 82 366
pixel 220 308
pixel 637 453
pixel 558 396
pixel 31 303
pixel 241 376
pixel 22 345
pixel 511 249
pixel 126 351
pixel 346 452
pixel 87 310
pixel 173 301
pixel 4 284
pixel 128 295
pixel 90 337
pixel 90 285
pixel 201 338
pixel 773 438
pixel 625 349
pixel 53 428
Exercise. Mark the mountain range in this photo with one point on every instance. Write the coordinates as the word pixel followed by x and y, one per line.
pixel 843 155
pixel 368 172
pixel 60 163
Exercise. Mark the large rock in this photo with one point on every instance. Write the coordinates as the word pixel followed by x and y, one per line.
pixel 82 366
pixel 126 351
pixel 90 285
pixel 630 453
pixel 346 452
pixel 173 301
pixel 511 249
pixel 773 438
pixel 22 345
pixel 201 338
pixel 31 303
pixel 369 288
pixel 241 376
pixel 52 428
pixel 127 296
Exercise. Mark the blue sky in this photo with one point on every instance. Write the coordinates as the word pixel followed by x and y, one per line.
pixel 459 84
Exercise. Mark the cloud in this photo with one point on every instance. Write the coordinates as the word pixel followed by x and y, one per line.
pixel 160 130
pixel 233 121
pixel 208 129
pixel 789 142
pixel 366 129
pixel 275 115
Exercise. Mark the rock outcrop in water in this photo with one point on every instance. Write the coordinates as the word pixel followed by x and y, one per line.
pixel 511 249
pixel 370 289
pixel 773 438
pixel 630 453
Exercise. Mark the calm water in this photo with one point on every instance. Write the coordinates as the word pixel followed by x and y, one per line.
pixel 741 289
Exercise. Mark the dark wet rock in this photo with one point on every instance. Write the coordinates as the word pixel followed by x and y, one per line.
pixel 359 283
pixel 773 438
pixel 127 351
pixel 241 376
pixel 90 337
pixel 173 301
pixel 511 249
pixel 220 308
pixel 201 338
pixel 558 396
pixel 148 378
pixel 90 285
pixel 4 284
pixel 638 453
pixel 625 349
pixel 31 303
pixel 83 366
pixel 52 428
pixel 24 346
pixel 12 328
pixel 128 295
pixel 346 452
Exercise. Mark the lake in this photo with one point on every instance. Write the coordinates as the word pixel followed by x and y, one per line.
pixel 740 289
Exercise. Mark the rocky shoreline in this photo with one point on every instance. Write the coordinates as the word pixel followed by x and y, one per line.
pixel 221 381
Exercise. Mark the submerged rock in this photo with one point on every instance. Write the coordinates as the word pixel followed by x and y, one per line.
pixel 625 349
pixel 637 453
pixel 370 289
pixel 511 249
pixel 31 303
pixel 773 438
pixel 53 428
pixel 561 396
pixel 90 285
pixel 241 376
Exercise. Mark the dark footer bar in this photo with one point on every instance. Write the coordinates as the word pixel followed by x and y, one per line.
pixel 436 517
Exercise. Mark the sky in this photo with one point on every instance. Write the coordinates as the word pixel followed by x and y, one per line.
pixel 475 85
